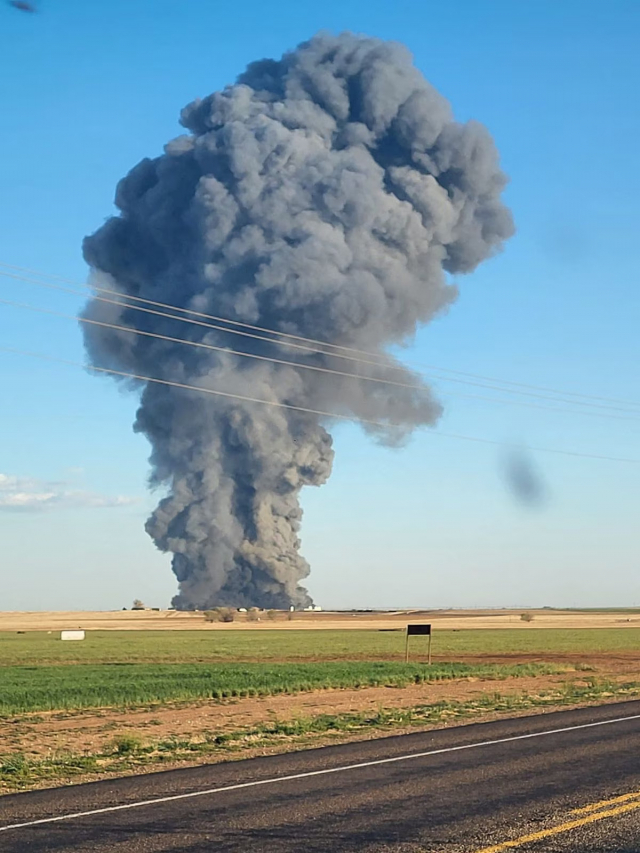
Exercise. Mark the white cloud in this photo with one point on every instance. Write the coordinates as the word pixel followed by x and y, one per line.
pixel 28 494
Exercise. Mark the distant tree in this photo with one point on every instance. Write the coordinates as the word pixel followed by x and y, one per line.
pixel 219 614
pixel 253 614
pixel 137 604
pixel 526 617
pixel 272 615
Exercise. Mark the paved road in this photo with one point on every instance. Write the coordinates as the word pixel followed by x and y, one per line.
pixel 567 781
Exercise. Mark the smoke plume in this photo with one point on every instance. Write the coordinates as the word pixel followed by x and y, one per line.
pixel 325 194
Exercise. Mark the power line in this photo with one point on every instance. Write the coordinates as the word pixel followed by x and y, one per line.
pixel 314 350
pixel 320 413
pixel 305 348
pixel 201 323
pixel 295 364
pixel 195 313
pixel 189 387
pixel 202 345
pixel 93 289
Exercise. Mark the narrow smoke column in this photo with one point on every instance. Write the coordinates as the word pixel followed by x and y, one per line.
pixel 326 194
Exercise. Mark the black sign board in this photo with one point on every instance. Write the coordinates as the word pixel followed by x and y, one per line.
pixel 414 630
pixel 417 630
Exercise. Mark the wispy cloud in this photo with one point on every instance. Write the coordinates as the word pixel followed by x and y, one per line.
pixel 29 494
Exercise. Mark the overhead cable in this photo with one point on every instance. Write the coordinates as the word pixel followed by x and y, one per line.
pixel 333 415
pixel 627 406
pixel 301 365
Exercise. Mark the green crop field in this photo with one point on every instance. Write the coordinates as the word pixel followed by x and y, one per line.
pixel 229 645
pixel 39 688
pixel 124 668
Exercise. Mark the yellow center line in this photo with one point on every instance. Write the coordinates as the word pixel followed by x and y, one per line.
pixel 594 807
pixel 557 830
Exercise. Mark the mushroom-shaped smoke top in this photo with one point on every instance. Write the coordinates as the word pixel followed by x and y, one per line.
pixel 325 194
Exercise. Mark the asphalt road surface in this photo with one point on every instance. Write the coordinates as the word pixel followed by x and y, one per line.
pixel 567 781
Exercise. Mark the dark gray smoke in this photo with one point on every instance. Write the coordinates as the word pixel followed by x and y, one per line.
pixel 324 194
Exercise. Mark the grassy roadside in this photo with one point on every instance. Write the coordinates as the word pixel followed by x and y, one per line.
pixel 127 754
pixel 25 689
pixel 232 645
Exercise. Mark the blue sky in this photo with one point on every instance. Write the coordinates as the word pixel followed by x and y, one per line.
pixel 87 89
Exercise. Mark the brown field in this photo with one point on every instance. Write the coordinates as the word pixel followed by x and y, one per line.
pixel 136 620
pixel 92 731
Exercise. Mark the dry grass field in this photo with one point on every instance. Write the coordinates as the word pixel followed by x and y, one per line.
pixel 136 620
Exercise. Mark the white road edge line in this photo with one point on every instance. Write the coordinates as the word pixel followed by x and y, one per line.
pixel 376 763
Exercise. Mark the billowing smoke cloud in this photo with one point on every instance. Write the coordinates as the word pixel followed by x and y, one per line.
pixel 325 195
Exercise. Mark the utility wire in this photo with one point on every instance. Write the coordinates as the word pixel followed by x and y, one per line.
pixel 374 355
pixel 111 291
pixel 277 404
pixel 202 345
pixel 309 349
pixel 295 364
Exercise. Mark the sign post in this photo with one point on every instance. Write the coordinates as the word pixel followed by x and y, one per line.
pixel 417 630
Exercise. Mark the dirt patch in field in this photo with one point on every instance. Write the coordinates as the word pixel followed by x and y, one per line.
pixel 95 731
